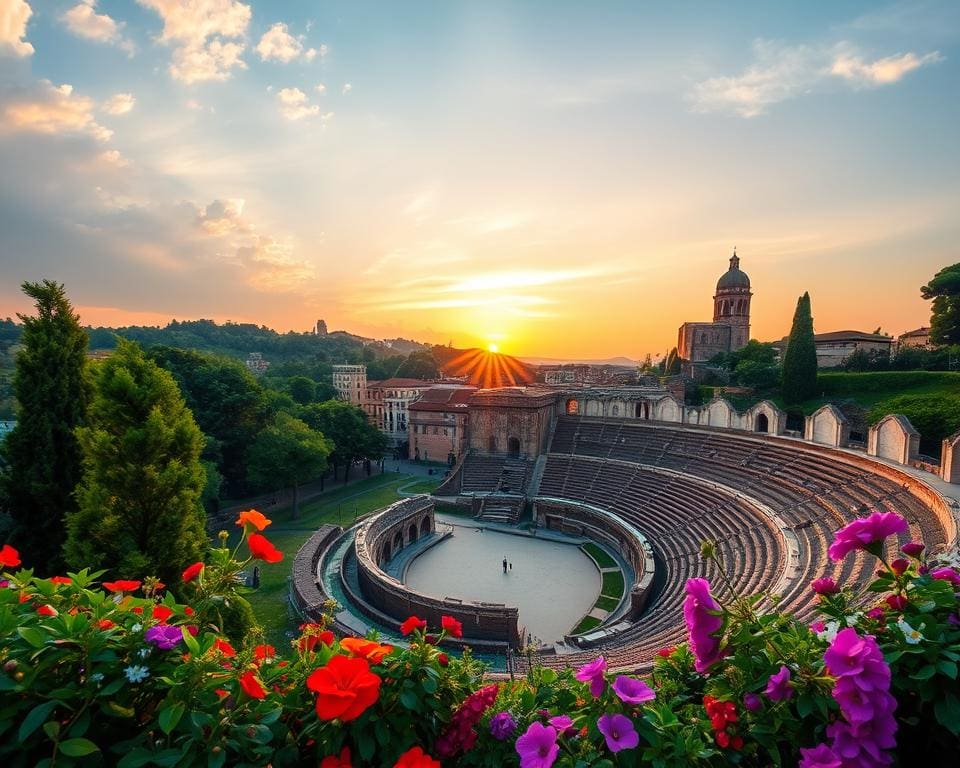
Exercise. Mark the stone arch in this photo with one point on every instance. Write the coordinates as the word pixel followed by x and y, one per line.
pixel 893 438
pixel 719 413
pixel 573 407
pixel 593 408
pixel 398 541
pixel 827 426
pixel 950 459
pixel 424 527
pixel 614 410
pixel 386 554
pixel 412 533
pixel 763 423
pixel 513 447
pixel 668 409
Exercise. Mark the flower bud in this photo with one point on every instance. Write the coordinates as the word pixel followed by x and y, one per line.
pixel 708 549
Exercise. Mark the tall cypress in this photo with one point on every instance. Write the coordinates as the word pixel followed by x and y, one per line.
pixel 42 451
pixel 799 379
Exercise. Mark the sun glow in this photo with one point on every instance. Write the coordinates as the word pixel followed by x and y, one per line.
pixel 493 348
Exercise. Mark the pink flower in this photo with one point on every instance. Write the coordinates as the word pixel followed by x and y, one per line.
pixel 865 533
pixel 820 756
pixel 618 731
pixel 897 602
pixel 778 686
pixel 912 549
pixel 593 673
pixel 899 565
pixel 876 614
pixel 946 574
pixel 632 691
pixel 562 723
pixel 538 746
pixel 824 586
pixel 704 621
pixel 752 702
pixel 818 626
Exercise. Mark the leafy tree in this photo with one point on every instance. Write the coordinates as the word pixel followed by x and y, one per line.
pixel 303 390
pixel 672 365
pixel 353 436
pixel 419 365
pixel 754 351
pixel 799 378
pixel 42 450
pixel 378 370
pixel 287 454
pixel 139 508
pixel 752 373
pixel 944 289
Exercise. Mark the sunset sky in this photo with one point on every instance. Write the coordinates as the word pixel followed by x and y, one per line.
pixel 561 179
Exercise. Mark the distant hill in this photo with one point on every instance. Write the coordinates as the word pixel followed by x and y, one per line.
pixel 482 368
pixel 621 361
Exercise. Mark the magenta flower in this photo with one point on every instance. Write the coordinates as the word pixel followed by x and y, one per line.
pixel 164 636
pixel 846 654
pixel 820 756
pixel 704 620
pixel 562 723
pixel 593 673
pixel 896 602
pixel 865 533
pixel 778 686
pixel 946 574
pixel 632 691
pixel 619 732
pixel 538 746
pixel 900 565
pixel 912 549
pixel 824 586
pixel 876 614
pixel 752 702
pixel 502 726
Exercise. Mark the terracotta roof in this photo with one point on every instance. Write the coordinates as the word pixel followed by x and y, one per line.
pixel 391 383
pixel 443 399
pixel 917 332
pixel 851 336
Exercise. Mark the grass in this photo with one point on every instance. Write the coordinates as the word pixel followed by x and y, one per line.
pixel 606 603
pixel 612 584
pixel 586 624
pixel 424 486
pixel 596 552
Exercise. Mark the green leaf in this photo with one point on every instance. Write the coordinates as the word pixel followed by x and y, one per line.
pixel 947 711
pixel 115 710
pixel 136 758
pixel 170 716
pixel 35 718
pixel 925 673
pixel 78 747
pixel 429 685
pixel 409 699
pixel 948 668
pixel 52 729
pixel 33 636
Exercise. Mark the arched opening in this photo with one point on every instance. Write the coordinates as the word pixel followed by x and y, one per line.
pixel 615 410
pixel 513 447
pixel 424 527
pixel 398 541
pixel 763 423
pixel 386 553
pixel 412 533
pixel 638 410
pixel 572 407
pixel 492 444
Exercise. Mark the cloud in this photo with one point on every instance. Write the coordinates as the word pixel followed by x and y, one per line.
pixel 321 88
pixel 347 87
pixel 269 265
pixel 119 104
pixel 277 44
pixel 293 104
pixel 51 109
pixel 781 72
pixel 14 15
pixel 203 34
pixel 112 157
pixel 84 21
pixel 221 217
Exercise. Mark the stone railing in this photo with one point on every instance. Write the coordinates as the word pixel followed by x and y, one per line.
pixel 306 594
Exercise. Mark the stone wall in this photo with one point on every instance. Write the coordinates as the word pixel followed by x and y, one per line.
pixel 306 594
pixel 827 426
pixel 893 438
pixel 510 421
pixel 950 459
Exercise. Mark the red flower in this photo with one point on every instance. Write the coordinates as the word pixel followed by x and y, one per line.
pixel 254 519
pixel 61 580
pixel 225 648
pixel 415 757
pixel 105 624
pixel 313 635
pixel 345 688
pixel 897 602
pixel 332 761
pixel 262 549
pixel 188 610
pixel 365 649
pixel 193 571
pixel 666 653
pixel 263 652
pixel 453 627
pixel 411 624
pixel 193 629
pixel 161 613
pixel 251 686
pixel 137 609
pixel 443 659
pixel 9 557
pixel 47 610
pixel 221 692
pixel 121 586
pixel 723 739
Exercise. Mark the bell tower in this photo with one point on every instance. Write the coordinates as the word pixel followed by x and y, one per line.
pixel 731 303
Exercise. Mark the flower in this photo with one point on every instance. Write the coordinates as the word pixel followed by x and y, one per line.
pixel 899 565
pixel 121 586
pixel 865 533
pixel 263 652
pixel 459 735
pixel 912 549
pixel 254 519
pixel 225 648
pixel 452 627
pixel 538 746
pixel 704 621
pixel 164 636
pixel 136 674
pixel 161 612
pixel 618 731
pixel 411 624
pixel 896 602
pixel 365 649
pixel 415 757
pixel 666 653
pixel 345 688
pixel 593 673
pixel 778 686
pixel 61 580
pixel 946 574
pixel 105 624
pixel 752 702
pixel 632 691
pixel 824 586
pixel 442 659
pixel 313 634
pixel 262 549
pixel 820 756
pixel 876 613
pixel 562 723
pixel 910 635
pixel 191 572
pixel 47 610
pixel 9 557
pixel 251 686
pixel 334 761
pixel 502 726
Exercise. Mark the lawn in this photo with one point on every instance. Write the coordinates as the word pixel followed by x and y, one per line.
pixel 607 603
pixel 596 552
pixel 586 624
pixel 424 486
pixel 612 584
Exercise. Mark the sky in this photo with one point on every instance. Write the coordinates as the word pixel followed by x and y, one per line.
pixel 559 179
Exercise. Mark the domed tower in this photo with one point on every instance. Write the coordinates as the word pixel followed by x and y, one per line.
pixel 731 304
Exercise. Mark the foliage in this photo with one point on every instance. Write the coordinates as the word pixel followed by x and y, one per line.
pixel 302 389
pixel 672 363
pixel 935 417
pixel 353 436
pixel 753 351
pixel 799 378
pixel 757 375
pixel 944 289
pixel 42 451
pixel 419 365
pixel 139 510
pixel 852 384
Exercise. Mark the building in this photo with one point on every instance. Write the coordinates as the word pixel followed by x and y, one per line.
pixel 834 348
pixel 730 329
pixel 438 423
pixel 256 364
pixel 350 381
pixel 386 404
pixel 321 329
pixel 919 338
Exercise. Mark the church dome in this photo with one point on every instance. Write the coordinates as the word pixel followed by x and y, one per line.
pixel 733 277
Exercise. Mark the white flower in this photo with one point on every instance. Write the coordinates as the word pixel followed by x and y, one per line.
pixel 144 652
pixel 136 674
pixel 96 677
pixel 911 635
pixel 829 633
pixel 136 627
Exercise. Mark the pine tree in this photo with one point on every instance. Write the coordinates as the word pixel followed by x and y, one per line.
pixel 799 378
pixel 42 451
pixel 139 512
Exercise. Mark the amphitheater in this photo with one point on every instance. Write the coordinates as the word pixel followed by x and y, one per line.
pixel 649 492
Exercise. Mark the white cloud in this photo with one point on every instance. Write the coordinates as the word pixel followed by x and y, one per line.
pixel 203 33
pixel 277 44
pixel 321 88
pixel 223 216
pixel 84 21
pixel 114 158
pixel 294 106
pixel 270 265
pixel 14 15
pixel 119 104
pixel 52 110
pixel 882 71
pixel 347 87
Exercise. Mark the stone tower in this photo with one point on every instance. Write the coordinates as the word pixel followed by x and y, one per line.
pixel 731 303
pixel 321 328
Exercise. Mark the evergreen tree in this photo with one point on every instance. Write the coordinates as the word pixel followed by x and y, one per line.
pixel 139 510
pixel 42 451
pixel 944 289
pixel 799 377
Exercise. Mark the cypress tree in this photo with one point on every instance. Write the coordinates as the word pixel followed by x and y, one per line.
pixel 799 378
pixel 139 511
pixel 42 451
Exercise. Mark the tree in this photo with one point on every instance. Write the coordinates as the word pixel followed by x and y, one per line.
pixel 42 450
pixel 672 365
pixel 751 373
pixel 287 454
pixel 302 389
pixel 139 510
pixel 799 377
pixel 353 436
pixel 419 365
pixel 944 289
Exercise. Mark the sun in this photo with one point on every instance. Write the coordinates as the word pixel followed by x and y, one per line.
pixel 493 348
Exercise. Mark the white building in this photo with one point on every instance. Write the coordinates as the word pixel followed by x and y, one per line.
pixel 350 381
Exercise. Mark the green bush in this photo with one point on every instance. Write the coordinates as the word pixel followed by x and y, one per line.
pixel 934 416
pixel 834 384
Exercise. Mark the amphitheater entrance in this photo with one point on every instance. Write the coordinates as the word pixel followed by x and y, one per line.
pixel 642 410
pixel 412 533
pixel 425 527
pixel 763 423
pixel 513 447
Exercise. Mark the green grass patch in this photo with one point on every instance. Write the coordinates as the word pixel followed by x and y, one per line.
pixel 606 603
pixel 586 624
pixel 597 553
pixel 612 584
pixel 457 510
pixel 424 486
